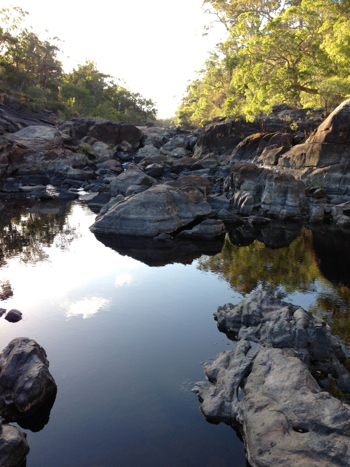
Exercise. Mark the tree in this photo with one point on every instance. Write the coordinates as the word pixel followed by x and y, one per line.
pixel 276 51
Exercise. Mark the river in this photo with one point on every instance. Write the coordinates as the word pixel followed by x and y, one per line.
pixel 127 341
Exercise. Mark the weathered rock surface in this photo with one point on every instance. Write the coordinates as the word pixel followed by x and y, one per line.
pixel 25 380
pixel 322 158
pixel 160 209
pixel 271 392
pixel 38 138
pixel 14 117
pixel 280 194
pixel 13 446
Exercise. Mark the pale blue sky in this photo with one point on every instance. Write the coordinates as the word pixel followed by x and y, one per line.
pixel 154 45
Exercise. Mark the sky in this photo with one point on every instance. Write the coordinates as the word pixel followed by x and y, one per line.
pixel 155 46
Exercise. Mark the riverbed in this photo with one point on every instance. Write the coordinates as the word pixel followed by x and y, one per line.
pixel 126 341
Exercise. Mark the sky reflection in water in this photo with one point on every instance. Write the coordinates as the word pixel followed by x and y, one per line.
pixel 123 338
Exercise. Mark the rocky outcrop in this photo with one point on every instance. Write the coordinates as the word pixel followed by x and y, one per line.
pixel 162 209
pixel 112 133
pixel 14 117
pixel 273 392
pixel 277 194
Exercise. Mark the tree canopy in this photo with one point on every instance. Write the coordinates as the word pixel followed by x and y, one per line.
pixel 31 72
pixel 294 52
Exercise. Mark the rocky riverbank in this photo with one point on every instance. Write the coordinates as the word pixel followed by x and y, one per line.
pixel 273 385
pixel 154 182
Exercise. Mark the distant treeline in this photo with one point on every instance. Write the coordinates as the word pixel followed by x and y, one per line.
pixel 277 51
pixel 31 74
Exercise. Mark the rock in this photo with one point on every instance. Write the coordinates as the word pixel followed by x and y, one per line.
pixel 116 133
pixel 217 137
pixel 211 229
pixel 10 186
pixel 147 151
pixel 25 380
pixel 13 316
pixel 154 170
pixel 13 117
pixel 208 162
pixel 281 195
pixel 262 148
pixel 2 311
pixel 132 176
pixel 37 138
pixel 39 179
pixel 13 446
pixel 325 153
pixel 98 201
pixel 103 150
pixel 316 214
pixel 218 202
pixel 270 393
pixel 244 202
pixel 160 209
pixel 80 175
pixel 178 142
pixel 125 146
pixel 134 189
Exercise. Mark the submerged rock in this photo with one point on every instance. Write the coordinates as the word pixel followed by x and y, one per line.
pixel 271 392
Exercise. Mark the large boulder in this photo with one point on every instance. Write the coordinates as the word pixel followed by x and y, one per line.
pixel 113 133
pixel 162 209
pixel 270 392
pixel 25 380
pixel 38 138
pixel 217 137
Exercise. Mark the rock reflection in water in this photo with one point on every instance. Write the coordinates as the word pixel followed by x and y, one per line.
pixel 160 253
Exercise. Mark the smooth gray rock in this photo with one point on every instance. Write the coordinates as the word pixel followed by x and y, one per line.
pixel 13 446
pixel 38 137
pixel 160 209
pixel 25 380
pixel 132 176
pixel 270 393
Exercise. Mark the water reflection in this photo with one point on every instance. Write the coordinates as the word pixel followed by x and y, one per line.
pixel 160 253
pixel 315 263
pixel 87 307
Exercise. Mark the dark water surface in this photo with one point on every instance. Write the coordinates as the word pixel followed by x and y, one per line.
pixel 127 341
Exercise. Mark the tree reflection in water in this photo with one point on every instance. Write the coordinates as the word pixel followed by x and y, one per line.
pixel 300 267
pixel 26 236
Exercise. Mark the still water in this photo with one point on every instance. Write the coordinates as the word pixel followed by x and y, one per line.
pixel 126 341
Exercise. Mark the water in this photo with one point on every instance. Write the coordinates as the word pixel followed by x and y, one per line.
pixel 127 341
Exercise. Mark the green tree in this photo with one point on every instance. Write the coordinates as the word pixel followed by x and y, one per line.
pixel 276 51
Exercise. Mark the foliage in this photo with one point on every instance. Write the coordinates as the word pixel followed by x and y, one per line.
pixel 294 51
pixel 286 270
pixel 31 73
